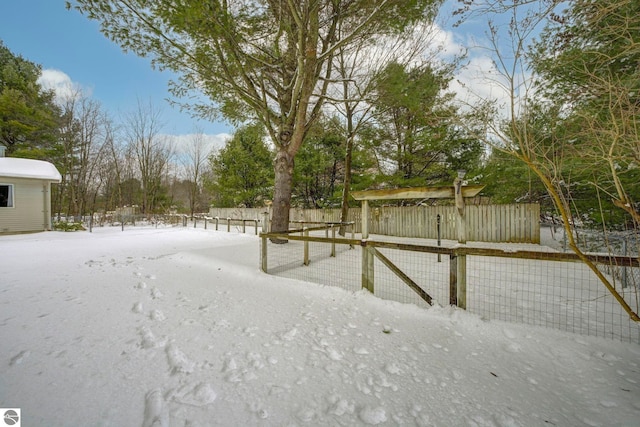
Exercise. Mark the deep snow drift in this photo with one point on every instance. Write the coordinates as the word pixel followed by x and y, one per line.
pixel 177 326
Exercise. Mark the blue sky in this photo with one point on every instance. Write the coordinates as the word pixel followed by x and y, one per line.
pixel 45 32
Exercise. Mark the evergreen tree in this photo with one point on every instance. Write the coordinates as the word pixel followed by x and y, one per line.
pixel 28 115
pixel 415 137
pixel 243 170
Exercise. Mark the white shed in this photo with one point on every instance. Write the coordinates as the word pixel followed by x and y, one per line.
pixel 25 194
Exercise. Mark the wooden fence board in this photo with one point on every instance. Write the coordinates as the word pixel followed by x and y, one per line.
pixel 516 223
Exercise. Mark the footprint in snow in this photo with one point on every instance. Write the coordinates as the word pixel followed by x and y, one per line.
pixel 137 308
pixel 148 339
pixel 289 336
pixel 157 316
pixel 372 416
pixel 155 414
pixel 178 361
pixel 194 394
pixel 340 406
pixel 19 358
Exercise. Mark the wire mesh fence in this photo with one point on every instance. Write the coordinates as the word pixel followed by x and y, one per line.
pixel 560 293
pixel 125 221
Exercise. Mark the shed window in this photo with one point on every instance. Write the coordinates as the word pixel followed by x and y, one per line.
pixel 6 195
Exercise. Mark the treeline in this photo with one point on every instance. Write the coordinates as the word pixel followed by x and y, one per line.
pixel 563 132
pixel 108 162
pixel 105 162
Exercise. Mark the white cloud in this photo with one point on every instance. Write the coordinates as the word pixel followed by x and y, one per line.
pixel 445 43
pixel 61 83
pixel 210 143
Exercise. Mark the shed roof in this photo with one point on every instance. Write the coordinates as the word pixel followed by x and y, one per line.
pixel 13 167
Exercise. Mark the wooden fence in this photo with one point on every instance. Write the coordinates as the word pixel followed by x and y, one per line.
pixel 542 288
pixel 516 223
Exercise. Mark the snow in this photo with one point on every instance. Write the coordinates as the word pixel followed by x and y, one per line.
pixel 178 327
pixel 26 168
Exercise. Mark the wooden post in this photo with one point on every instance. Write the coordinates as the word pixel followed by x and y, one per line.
pixel 244 226
pixel 367 267
pixel 461 224
pixel 305 231
pixel 462 281
pixel 205 222
pixel 265 222
pixel 263 255
pixel 228 225
pixel 256 223
pixel 217 221
pixel 333 242
pixel 365 219
pixel 458 280
pixel 453 279
pixel 353 233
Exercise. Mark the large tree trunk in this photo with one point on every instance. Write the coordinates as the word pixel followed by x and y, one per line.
pixel 282 192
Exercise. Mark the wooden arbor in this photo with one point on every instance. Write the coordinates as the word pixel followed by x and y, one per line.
pixel 458 264
pixel 457 191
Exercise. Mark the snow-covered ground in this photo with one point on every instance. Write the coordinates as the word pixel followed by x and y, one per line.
pixel 177 326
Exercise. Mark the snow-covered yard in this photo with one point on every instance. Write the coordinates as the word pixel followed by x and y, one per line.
pixel 177 326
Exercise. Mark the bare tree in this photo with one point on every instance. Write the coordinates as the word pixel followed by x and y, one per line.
pixel 82 139
pixel 150 150
pixel 195 161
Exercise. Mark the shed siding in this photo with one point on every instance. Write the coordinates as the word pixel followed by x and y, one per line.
pixel 28 213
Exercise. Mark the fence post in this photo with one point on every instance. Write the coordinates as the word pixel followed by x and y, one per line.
pixel 244 226
pixel 365 219
pixel 305 232
pixel 263 254
pixel 453 279
pixel 439 220
pixel 462 281
pixel 367 266
pixel 217 220
pixel 228 225
pixel 625 278
pixel 265 222
pixel 205 222
pixel 333 242
pixel 195 220
pixel 256 222
pixel 353 233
